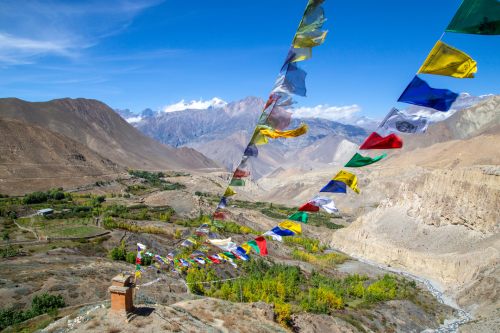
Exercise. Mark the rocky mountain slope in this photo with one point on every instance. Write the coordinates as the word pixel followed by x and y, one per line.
pixel 33 157
pixel 77 140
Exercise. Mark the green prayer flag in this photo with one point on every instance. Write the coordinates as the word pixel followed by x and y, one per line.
pixel 237 182
pixel 480 17
pixel 299 217
pixel 230 255
pixel 358 160
pixel 137 267
pixel 254 246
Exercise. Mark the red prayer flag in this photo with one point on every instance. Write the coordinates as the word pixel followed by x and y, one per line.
pixel 375 141
pixel 241 173
pixel 262 244
pixel 214 260
pixel 219 216
pixel 308 207
pixel 138 261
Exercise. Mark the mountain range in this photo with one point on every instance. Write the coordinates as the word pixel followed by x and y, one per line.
pixel 222 131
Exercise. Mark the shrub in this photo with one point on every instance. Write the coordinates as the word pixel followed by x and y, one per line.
pixel 130 258
pixel 46 303
pixel 119 252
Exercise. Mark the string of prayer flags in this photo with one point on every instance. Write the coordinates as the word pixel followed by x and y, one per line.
pixel 299 217
pixel 480 17
pixel 335 186
pixel 141 248
pixel 240 252
pixel 251 150
pixel 397 121
pixel 418 92
pixel 448 61
pixel 229 192
pixel 237 182
pixel 348 178
pixel 246 246
pixel 308 207
pixel 214 259
pixel 358 161
pixel 293 226
pixel 375 141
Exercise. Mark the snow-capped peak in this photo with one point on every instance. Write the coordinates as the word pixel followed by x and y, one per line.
pixel 195 105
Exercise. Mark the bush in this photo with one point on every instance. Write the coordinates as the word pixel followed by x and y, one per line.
pixel 35 197
pixel 45 303
pixel 119 252
pixel 130 258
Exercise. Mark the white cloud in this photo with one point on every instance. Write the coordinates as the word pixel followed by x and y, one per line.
pixel 33 28
pixel 336 113
pixel 194 105
pixel 133 120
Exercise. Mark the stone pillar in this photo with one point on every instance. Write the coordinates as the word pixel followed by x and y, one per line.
pixel 121 291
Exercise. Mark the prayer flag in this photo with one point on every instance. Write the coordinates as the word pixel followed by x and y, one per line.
pixel 219 216
pixel 241 253
pixel 222 203
pixel 297 54
pixel 481 17
pixel 348 178
pixel 358 160
pixel 309 39
pixel 293 226
pixel 397 121
pixel 251 150
pixel 229 192
pixel 330 207
pixel 187 243
pixel 253 244
pixel 375 141
pixel 279 118
pixel 137 274
pixel 141 247
pixel 214 259
pixel 299 217
pixel 138 261
pixel 335 186
pixel 308 207
pixel 264 132
pixel 262 244
pixel 237 182
pixel 282 232
pixel 238 173
pixel 273 235
pixel 246 247
pixel 292 81
pixel 420 93
pixel 448 61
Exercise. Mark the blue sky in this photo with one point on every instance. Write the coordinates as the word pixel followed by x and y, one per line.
pixel 152 53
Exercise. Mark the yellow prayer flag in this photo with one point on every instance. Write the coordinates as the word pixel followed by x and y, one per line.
pixel 229 192
pixel 246 247
pixel 292 226
pixel 138 274
pixel 264 132
pixel 309 39
pixel 349 179
pixel 448 61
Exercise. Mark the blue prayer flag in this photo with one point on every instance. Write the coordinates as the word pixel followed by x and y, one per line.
pixel 251 150
pixel 420 93
pixel 282 232
pixel 335 186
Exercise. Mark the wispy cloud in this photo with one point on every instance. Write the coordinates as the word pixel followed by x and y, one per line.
pixel 194 105
pixel 31 28
pixel 336 113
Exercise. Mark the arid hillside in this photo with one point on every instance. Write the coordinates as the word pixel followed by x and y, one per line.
pixel 69 142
